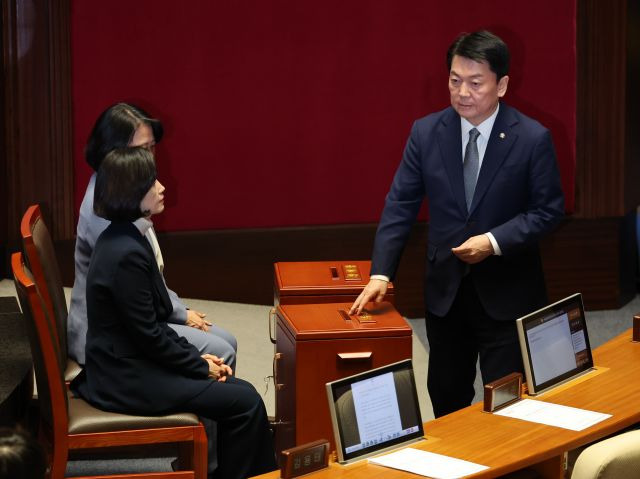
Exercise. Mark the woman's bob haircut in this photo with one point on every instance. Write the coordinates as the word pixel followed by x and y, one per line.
pixel 123 180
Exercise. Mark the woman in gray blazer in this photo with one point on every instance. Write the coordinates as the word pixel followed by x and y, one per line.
pixel 135 362
pixel 119 126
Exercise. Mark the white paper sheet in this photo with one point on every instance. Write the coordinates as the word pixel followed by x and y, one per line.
pixel 377 411
pixel 553 414
pixel 428 464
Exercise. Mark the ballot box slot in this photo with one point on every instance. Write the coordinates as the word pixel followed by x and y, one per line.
pixel 364 317
pixel 334 273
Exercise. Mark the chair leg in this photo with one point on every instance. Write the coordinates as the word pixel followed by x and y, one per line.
pixel 58 463
pixel 200 463
pixel 185 457
pixel 192 456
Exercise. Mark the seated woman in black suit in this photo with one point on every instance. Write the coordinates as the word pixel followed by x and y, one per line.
pixel 137 364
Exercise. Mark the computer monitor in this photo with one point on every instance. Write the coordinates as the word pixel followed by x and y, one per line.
pixel 555 344
pixel 375 411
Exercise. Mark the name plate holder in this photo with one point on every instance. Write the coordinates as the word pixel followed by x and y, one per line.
pixel 502 392
pixel 309 457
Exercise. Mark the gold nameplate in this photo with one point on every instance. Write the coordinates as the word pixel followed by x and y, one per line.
pixel 351 272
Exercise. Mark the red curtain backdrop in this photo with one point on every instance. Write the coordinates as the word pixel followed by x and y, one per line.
pixel 285 113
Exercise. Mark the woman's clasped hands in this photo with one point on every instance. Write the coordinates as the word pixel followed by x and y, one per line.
pixel 217 369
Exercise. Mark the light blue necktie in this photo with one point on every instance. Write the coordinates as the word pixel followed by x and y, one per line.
pixel 470 166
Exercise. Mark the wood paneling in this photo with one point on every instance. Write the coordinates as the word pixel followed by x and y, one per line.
pixel 36 117
pixel 607 173
pixel 596 257
pixel 237 265
pixel 632 102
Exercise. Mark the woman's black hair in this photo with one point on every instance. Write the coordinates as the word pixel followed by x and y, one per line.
pixel 123 180
pixel 21 456
pixel 115 128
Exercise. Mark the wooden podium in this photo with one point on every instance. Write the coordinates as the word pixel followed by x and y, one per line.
pixel 321 281
pixel 318 343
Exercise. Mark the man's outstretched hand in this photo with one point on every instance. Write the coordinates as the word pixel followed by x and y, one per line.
pixel 373 291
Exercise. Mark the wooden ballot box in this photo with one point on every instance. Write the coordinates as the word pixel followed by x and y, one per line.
pixel 321 281
pixel 318 343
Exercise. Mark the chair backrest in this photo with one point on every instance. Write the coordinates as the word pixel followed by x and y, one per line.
pixel 613 458
pixel 52 390
pixel 41 258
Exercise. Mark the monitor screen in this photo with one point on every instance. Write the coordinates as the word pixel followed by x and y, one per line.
pixel 374 411
pixel 555 344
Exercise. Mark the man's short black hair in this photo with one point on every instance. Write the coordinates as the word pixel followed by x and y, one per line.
pixel 123 180
pixel 115 128
pixel 21 455
pixel 482 46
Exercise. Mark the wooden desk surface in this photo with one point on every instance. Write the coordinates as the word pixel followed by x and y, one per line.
pixel 506 444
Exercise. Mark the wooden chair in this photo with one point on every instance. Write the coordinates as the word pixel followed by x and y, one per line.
pixel 41 258
pixel 69 423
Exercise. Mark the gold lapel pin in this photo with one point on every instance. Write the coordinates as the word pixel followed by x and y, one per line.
pixel 502 135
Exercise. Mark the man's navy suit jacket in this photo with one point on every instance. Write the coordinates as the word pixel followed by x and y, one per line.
pixel 518 198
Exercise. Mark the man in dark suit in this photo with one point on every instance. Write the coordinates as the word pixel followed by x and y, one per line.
pixel 493 189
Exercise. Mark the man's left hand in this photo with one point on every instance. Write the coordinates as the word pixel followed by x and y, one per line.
pixel 196 320
pixel 474 250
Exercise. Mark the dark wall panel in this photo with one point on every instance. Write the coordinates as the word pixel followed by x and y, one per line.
pixel 595 257
pixel 608 108
pixel 36 163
